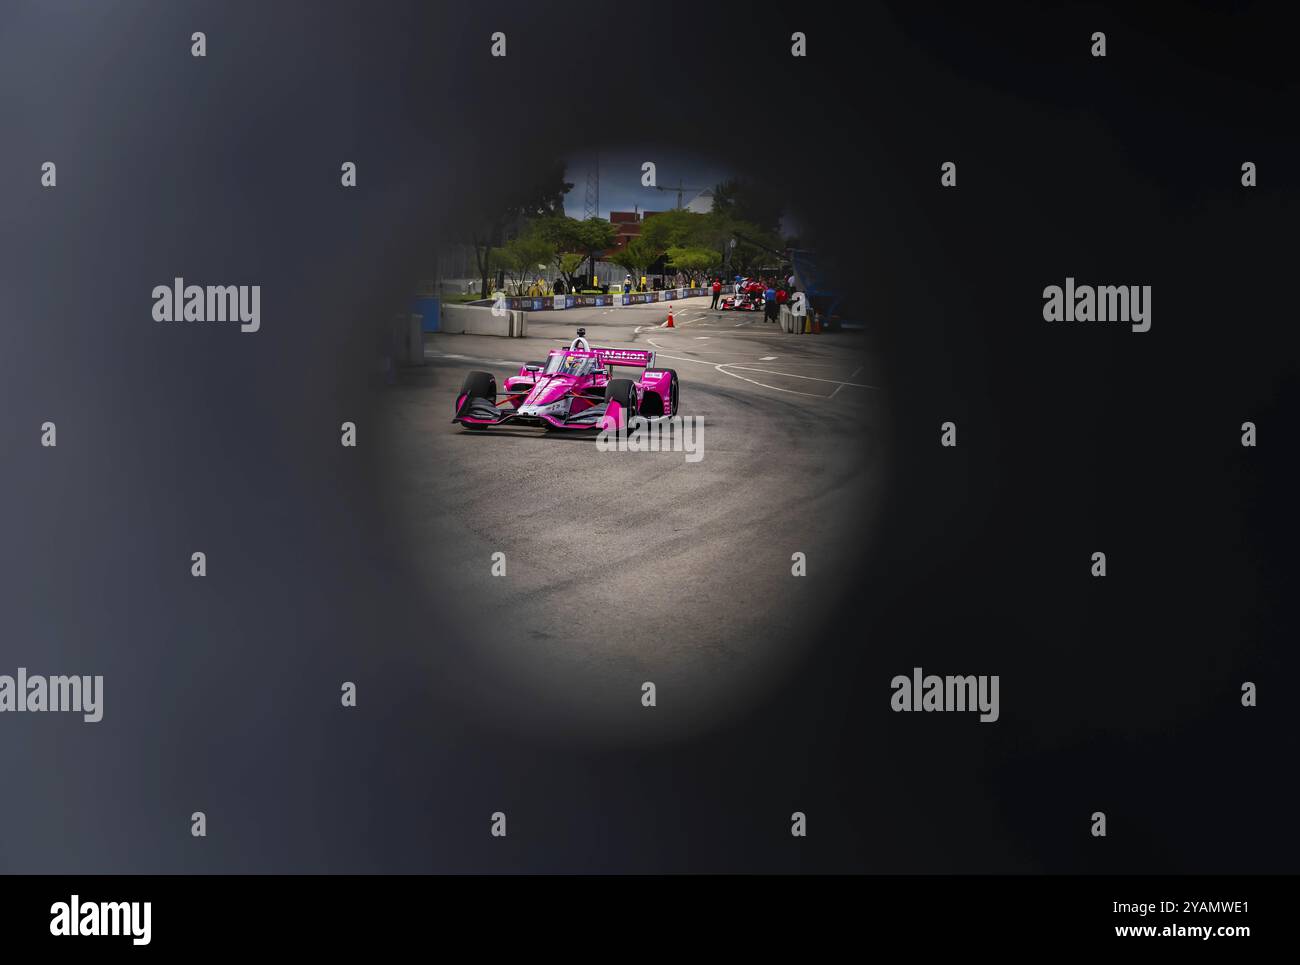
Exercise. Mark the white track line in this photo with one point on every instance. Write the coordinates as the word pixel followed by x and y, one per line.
pixel 429 354
pixel 790 375
pixel 717 366
pixel 678 358
pixel 723 366
pixel 838 387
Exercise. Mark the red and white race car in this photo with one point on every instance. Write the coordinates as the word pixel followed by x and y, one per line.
pixel 574 388
pixel 748 297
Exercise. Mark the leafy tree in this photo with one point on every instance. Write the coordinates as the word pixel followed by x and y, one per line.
pixel 567 264
pixel 589 238
pixel 636 257
pixel 693 261
pixel 677 228
pixel 521 258
pixel 506 261
pixel 540 197
pixel 751 202
pixel 755 245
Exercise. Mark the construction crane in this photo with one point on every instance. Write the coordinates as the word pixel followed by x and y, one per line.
pixel 679 189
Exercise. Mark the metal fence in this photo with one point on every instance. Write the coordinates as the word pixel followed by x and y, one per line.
pixel 458 274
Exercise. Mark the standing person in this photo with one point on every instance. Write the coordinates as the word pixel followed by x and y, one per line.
pixel 769 303
pixel 717 290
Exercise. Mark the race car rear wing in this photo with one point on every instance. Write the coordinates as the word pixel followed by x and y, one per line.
pixel 625 356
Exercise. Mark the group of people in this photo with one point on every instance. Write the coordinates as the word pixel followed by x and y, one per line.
pixel 772 291
pixel 665 283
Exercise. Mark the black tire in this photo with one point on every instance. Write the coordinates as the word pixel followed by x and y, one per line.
pixel 478 385
pixel 622 391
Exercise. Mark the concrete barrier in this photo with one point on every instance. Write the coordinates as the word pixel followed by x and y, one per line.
pixel 474 320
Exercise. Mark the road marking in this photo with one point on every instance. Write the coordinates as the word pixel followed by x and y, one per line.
pixel 678 358
pixel 838 387
pixel 723 366
pixel 809 378
pixel 772 358
pixel 701 338
pixel 431 354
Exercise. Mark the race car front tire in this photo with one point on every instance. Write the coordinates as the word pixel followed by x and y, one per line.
pixel 478 385
pixel 622 391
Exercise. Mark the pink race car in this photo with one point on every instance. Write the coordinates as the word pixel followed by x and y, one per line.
pixel 573 389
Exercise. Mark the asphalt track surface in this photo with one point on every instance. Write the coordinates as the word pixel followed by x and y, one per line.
pixel 621 567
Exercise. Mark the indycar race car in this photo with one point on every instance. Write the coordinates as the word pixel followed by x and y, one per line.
pixel 744 302
pixel 748 298
pixel 574 388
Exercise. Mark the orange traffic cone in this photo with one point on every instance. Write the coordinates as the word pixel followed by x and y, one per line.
pixel 670 317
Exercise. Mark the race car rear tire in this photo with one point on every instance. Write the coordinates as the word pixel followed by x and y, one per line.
pixel 653 404
pixel 622 391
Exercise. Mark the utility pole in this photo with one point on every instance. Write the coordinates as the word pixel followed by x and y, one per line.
pixel 591 202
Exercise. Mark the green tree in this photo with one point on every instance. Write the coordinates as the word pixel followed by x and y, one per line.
pixel 567 263
pixel 523 257
pixel 755 245
pixel 751 202
pixel 636 257
pixel 674 229
pixel 693 261
pixel 590 238
pixel 542 196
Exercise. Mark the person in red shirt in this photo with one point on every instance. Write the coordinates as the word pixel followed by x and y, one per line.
pixel 717 290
